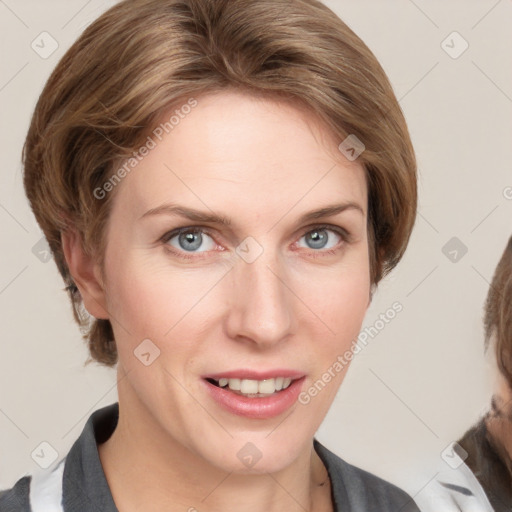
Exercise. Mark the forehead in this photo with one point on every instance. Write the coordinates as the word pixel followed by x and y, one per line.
pixel 236 150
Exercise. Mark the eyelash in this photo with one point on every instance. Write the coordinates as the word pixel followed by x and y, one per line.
pixel 345 236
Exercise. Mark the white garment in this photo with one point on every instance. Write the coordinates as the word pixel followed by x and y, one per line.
pixel 454 490
pixel 46 490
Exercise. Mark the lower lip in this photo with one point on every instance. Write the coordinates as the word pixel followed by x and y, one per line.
pixel 260 408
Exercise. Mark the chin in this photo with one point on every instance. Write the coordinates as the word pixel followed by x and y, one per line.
pixel 251 454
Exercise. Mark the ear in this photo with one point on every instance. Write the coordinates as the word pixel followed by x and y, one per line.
pixel 86 274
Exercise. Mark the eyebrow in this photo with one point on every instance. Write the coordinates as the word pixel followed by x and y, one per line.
pixel 215 218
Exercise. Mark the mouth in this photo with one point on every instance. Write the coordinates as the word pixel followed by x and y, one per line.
pixel 255 394
pixel 253 388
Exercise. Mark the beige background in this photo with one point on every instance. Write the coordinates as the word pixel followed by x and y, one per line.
pixel 418 384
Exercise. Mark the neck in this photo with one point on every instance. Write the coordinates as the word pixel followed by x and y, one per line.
pixel 147 469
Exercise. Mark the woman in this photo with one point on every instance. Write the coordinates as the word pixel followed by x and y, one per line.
pixel 222 184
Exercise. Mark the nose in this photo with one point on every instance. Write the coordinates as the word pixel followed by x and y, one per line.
pixel 261 302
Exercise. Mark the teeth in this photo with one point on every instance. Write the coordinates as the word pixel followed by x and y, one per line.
pixel 266 386
pixel 253 387
pixel 249 386
pixel 234 384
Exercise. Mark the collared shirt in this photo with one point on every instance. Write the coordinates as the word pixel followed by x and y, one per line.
pixel 77 483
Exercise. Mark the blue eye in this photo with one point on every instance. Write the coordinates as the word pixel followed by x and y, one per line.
pixel 319 238
pixel 189 240
pixel 186 241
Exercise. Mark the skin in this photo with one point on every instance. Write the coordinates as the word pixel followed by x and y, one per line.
pixel 263 163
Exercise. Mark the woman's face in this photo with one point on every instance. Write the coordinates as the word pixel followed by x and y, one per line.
pixel 262 296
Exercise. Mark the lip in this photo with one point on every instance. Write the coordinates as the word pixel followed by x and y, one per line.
pixel 254 408
pixel 255 375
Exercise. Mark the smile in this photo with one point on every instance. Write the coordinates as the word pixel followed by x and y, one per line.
pixel 263 396
pixel 253 388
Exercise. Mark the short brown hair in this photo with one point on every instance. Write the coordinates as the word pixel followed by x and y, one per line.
pixel 143 56
pixel 498 314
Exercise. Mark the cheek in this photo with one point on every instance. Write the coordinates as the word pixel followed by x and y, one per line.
pixel 342 305
pixel 340 296
pixel 149 299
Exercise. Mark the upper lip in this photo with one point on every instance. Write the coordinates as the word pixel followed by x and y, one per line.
pixel 255 374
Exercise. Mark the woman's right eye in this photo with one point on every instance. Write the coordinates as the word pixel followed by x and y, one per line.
pixel 189 240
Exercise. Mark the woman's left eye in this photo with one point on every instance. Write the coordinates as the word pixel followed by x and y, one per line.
pixel 319 239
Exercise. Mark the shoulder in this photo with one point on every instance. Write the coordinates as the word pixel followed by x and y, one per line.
pixel 76 482
pixel 360 490
pixel 17 498
pixel 454 487
pixel 489 463
pixel 378 493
